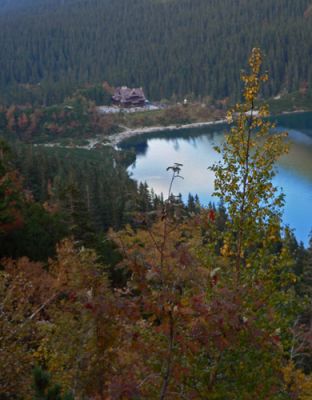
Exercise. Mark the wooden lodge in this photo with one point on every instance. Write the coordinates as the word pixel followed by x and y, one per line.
pixel 126 97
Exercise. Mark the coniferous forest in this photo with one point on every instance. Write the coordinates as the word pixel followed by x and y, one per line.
pixel 169 47
pixel 109 291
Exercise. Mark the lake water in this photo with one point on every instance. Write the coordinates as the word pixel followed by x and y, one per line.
pixel 194 149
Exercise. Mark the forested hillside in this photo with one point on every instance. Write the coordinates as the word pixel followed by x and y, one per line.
pixel 173 47
pixel 173 301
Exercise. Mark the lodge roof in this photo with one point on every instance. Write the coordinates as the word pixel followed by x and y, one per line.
pixel 125 95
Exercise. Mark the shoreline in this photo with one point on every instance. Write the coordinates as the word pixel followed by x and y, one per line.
pixel 116 139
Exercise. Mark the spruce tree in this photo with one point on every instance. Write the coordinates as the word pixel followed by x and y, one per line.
pixel 44 389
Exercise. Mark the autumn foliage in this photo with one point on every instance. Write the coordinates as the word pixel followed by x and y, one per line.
pixel 198 313
pixel 10 195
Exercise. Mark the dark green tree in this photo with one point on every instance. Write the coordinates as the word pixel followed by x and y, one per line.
pixel 44 389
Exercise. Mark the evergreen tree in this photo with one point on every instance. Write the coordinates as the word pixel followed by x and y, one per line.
pixel 77 215
pixel 44 389
pixel 171 48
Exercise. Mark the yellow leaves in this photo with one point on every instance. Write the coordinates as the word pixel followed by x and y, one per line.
pixel 253 80
pixel 42 354
pixel 265 77
pixel 37 355
pixel 225 250
pixel 250 94
pixel 297 383
pixel 255 201
pixel 264 111
pixel 244 182
pixel 255 60
pixel 185 302
pixel 229 117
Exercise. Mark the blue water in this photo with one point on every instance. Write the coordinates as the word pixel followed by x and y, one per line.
pixel 194 149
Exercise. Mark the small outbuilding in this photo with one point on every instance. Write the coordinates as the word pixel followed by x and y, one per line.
pixel 127 97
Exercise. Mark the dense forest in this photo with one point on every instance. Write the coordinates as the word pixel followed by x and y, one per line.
pixel 108 292
pixel 171 48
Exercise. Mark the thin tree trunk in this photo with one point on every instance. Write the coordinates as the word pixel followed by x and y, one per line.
pixel 169 360
pixel 242 208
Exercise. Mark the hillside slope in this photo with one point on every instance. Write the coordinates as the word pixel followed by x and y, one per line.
pixel 167 46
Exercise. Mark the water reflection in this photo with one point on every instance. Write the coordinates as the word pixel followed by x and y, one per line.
pixel 300 121
pixel 195 150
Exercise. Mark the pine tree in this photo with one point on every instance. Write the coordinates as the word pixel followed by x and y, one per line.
pixel 44 389
pixel 77 215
